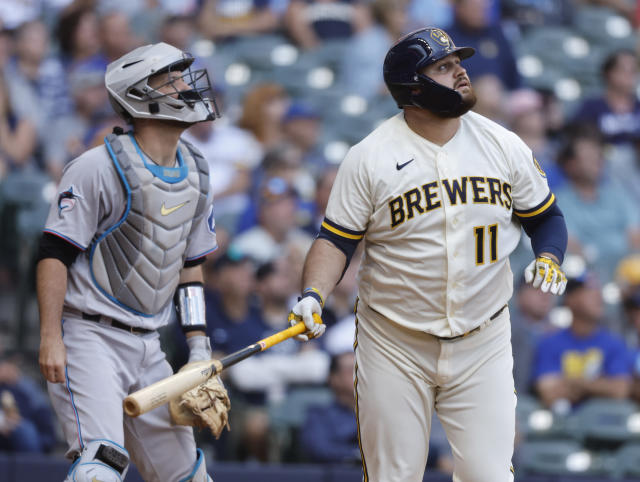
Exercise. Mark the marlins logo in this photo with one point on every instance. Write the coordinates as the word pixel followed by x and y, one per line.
pixel 211 222
pixel 67 200
pixel 440 37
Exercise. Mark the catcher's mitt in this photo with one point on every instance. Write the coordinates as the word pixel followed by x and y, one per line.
pixel 206 405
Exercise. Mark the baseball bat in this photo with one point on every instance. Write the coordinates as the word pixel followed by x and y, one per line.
pixel 164 390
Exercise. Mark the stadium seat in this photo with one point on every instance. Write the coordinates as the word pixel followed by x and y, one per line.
pixel 558 457
pixel 603 422
pixel 287 416
pixel 627 461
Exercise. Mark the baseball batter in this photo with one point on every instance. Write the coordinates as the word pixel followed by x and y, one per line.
pixel 129 229
pixel 439 195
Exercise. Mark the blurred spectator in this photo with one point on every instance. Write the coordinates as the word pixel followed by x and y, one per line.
pixel 232 154
pixel 228 19
pixel 529 323
pixel 78 34
pixel 263 110
pixel 302 125
pixel 276 226
pixel 330 433
pixel 584 360
pixel 18 136
pixel 616 111
pixel 631 305
pixel 361 66
pixel 473 27
pixel 310 23
pixel 423 13
pixel 264 379
pixel 178 30
pixel 324 182
pixel 285 161
pixel 26 419
pixel 36 80
pixel 603 222
pixel 526 116
pixel 491 98
pixel 68 136
pixel 116 36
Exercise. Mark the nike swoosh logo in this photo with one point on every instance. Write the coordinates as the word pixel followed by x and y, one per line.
pixel 166 211
pixel 400 166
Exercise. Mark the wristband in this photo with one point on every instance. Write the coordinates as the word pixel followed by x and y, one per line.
pixel 189 301
pixel 314 293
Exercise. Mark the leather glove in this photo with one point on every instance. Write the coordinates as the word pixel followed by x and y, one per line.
pixel 199 348
pixel 544 273
pixel 206 405
pixel 303 310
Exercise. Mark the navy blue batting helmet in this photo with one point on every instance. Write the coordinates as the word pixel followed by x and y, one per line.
pixel 408 56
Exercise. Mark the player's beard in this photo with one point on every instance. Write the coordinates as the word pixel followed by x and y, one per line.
pixel 468 101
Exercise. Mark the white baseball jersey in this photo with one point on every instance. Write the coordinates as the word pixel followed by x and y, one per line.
pixel 437 221
pixel 91 199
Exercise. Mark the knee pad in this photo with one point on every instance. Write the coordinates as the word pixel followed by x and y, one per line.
pixel 199 472
pixel 102 460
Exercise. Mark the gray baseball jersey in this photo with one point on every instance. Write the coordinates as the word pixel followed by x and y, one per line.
pixel 105 363
pixel 91 200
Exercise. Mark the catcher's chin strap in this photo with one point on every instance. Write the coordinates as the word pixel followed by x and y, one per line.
pixel 189 301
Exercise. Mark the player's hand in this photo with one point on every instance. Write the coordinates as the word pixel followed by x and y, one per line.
pixel 199 348
pixel 544 273
pixel 53 359
pixel 303 311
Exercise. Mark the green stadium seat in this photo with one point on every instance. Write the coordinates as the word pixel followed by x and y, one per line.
pixel 559 457
pixel 606 422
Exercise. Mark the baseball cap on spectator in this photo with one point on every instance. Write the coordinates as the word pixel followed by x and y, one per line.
pixel 586 279
pixel 274 189
pixel 300 110
pixel 231 257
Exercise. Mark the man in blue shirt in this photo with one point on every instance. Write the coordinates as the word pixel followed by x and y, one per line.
pixel 583 360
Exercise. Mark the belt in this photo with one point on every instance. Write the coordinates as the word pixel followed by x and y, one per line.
pixel 477 328
pixel 115 323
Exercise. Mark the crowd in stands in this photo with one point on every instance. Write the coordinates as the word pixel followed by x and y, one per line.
pixel 271 176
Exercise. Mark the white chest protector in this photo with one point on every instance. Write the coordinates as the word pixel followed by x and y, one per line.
pixel 136 262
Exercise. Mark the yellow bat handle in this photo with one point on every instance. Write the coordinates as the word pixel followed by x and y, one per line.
pixel 296 329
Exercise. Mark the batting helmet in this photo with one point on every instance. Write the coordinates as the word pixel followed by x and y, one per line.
pixel 131 95
pixel 408 56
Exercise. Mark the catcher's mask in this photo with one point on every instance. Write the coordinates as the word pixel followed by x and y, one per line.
pixel 127 80
pixel 408 56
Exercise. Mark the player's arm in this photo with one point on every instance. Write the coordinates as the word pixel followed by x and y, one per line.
pixel 546 227
pixel 189 302
pixel 55 256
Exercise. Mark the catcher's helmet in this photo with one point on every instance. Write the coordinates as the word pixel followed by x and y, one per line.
pixel 411 54
pixel 131 96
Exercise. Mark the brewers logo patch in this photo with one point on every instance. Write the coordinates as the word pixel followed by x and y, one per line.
pixel 538 168
pixel 440 37
pixel 67 200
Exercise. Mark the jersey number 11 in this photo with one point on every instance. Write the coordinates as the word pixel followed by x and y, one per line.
pixel 478 232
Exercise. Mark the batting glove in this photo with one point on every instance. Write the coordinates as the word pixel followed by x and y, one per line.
pixel 199 348
pixel 544 273
pixel 311 302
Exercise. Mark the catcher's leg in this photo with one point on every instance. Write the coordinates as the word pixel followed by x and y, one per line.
pixel 102 460
pixel 199 473
pixel 151 437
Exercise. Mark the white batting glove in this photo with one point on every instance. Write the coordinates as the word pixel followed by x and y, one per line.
pixel 199 348
pixel 303 310
pixel 544 273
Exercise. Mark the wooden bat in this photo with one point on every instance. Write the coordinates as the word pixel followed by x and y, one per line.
pixel 164 390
